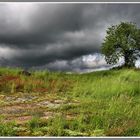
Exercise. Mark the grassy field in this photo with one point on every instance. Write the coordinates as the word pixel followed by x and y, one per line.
pixel 105 103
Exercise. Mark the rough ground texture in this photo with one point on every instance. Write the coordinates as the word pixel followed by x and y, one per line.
pixel 102 103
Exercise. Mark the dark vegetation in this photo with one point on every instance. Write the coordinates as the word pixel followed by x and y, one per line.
pixel 122 41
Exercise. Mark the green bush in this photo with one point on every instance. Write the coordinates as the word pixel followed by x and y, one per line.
pixel 7 129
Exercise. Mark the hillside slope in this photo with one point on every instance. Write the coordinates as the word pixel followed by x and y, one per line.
pixel 105 103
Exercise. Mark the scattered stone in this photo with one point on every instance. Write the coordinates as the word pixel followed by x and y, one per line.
pixel 43 103
pixel 52 105
pixel 2 96
pixel 47 115
pixel 26 73
pixel 59 101
pixel 16 109
pixel 49 104
pixel 70 117
pixel 21 100
pixel 10 98
pixel 23 119
pixel 25 99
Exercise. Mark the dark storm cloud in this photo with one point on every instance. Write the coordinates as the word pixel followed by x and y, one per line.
pixel 44 23
pixel 58 36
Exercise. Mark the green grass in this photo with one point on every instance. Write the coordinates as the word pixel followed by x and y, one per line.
pixel 103 103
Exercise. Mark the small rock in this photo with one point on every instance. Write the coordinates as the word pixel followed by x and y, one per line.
pixel 2 96
pixel 26 73
pixel 51 105
pixel 59 101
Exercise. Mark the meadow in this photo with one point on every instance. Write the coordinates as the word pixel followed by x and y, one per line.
pixel 103 103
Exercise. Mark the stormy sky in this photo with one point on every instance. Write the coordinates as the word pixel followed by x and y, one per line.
pixel 61 37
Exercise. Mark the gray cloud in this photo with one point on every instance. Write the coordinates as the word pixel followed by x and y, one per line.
pixel 58 36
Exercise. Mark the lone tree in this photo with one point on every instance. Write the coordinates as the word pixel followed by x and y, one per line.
pixel 122 40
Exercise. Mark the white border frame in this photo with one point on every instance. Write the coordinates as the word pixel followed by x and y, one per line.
pixel 52 137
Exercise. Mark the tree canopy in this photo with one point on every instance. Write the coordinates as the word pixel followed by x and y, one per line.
pixel 122 40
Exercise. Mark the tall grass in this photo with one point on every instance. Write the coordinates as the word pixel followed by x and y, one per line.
pixel 108 101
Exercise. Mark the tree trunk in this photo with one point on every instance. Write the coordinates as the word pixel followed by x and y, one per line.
pixel 128 58
pixel 126 61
